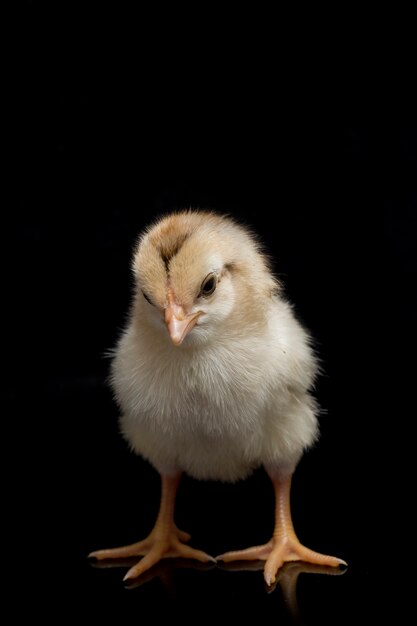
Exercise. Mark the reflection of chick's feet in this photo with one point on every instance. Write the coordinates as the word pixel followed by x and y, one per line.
pixel 161 543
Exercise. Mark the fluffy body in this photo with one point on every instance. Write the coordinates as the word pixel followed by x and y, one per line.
pixel 236 393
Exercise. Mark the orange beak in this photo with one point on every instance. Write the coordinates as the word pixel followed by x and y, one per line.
pixel 178 322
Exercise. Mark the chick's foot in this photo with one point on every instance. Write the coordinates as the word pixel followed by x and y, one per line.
pixel 165 540
pixel 277 552
pixel 284 545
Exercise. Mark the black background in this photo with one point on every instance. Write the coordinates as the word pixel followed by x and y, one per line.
pixel 336 207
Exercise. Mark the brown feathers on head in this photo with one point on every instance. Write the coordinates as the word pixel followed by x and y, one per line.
pixel 180 250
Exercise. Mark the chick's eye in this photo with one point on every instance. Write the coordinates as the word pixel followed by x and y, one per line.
pixel 147 298
pixel 208 285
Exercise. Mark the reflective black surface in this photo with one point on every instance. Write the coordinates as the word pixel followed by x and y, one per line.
pixel 335 207
pixel 106 497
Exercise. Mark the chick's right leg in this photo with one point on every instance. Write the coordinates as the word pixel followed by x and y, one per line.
pixel 165 540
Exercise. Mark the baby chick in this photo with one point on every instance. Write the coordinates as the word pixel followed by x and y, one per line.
pixel 212 375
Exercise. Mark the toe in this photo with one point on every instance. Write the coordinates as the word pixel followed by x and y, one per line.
pixel 144 564
pixel 272 565
pixel 256 553
pixel 310 556
pixel 183 536
pixel 135 549
pixel 187 552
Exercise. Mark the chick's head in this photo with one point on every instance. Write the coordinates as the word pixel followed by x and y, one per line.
pixel 199 274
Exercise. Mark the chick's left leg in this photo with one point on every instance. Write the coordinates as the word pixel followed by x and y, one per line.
pixel 165 540
pixel 284 545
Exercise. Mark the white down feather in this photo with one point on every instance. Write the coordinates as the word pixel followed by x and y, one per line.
pixel 220 409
